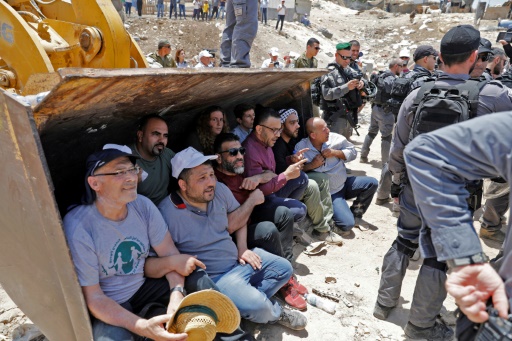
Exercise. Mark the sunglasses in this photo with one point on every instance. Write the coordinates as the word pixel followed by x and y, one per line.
pixel 234 151
pixel 343 57
pixel 484 57
pixel 317 48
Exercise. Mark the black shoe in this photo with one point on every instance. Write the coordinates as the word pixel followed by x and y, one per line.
pixel 381 312
pixel 438 332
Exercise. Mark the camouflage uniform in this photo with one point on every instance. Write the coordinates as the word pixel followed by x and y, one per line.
pixel 166 61
pixel 334 89
pixel 305 62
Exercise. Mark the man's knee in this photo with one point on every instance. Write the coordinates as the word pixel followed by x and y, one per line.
pixel 387 138
pixel 199 280
pixel 283 217
pixel 372 135
pixel 435 264
pixel 405 246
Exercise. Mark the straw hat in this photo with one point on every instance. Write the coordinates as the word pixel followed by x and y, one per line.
pixel 203 314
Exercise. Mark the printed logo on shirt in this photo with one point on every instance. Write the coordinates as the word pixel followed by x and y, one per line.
pixel 126 256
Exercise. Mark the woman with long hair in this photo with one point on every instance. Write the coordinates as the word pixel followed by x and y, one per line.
pixel 211 122
pixel 180 59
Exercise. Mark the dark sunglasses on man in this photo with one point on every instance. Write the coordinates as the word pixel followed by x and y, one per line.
pixel 234 151
pixel 344 57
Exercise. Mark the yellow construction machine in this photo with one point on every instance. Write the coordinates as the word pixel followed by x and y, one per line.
pixel 39 37
pixel 81 54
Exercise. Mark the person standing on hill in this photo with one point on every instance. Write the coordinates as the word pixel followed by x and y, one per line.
pixel 281 12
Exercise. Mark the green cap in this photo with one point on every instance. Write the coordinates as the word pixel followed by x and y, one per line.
pixel 342 46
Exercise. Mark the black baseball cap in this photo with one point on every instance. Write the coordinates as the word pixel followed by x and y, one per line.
pixel 99 159
pixel 485 46
pixel 460 39
pixel 424 51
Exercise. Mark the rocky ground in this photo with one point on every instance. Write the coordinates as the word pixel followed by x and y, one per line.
pixel 354 268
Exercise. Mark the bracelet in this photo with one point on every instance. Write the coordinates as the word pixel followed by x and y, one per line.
pixel 180 289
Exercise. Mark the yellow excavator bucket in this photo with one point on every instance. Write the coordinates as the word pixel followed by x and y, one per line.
pixel 40 37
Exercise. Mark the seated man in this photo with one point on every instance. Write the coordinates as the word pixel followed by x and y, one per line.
pixel 110 237
pixel 291 183
pixel 244 114
pixel 271 225
pixel 155 157
pixel 316 197
pixel 328 153
pixel 201 215
pixel 162 57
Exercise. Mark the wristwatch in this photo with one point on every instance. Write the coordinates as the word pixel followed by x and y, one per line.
pixel 180 289
pixel 478 258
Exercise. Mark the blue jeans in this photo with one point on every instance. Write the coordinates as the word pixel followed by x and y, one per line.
pixel 173 7
pixel 264 15
pixel 223 10
pixel 160 10
pixel 251 289
pixel 182 10
pixel 199 280
pixel 128 8
pixel 360 187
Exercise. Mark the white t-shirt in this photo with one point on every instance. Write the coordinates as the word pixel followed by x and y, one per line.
pixel 281 9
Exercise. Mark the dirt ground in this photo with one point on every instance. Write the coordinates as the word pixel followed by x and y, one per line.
pixel 356 265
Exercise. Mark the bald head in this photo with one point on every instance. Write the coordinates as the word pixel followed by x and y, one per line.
pixel 312 124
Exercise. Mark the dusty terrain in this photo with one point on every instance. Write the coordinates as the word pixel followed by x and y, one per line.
pixel 356 265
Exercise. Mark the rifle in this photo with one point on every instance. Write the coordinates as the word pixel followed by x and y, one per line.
pixel 350 116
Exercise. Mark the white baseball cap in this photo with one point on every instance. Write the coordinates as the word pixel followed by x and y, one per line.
pixel 205 53
pixel 274 51
pixel 405 53
pixel 188 158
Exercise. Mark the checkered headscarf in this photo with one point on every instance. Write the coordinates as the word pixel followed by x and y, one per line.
pixel 284 113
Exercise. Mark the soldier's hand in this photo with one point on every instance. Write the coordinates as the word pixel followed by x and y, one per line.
pixel 395 190
pixel 503 42
pixel 472 286
pixel 293 171
pixel 353 84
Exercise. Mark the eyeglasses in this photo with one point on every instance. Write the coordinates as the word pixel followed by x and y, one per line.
pixel 122 173
pixel 234 151
pixel 343 57
pixel 276 131
pixel 484 57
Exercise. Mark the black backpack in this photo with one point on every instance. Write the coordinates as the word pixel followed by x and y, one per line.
pixel 402 87
pixel 381 97
pixel 506 79
pixel 437 106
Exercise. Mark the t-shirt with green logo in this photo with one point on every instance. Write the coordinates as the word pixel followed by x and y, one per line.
pixel 112 253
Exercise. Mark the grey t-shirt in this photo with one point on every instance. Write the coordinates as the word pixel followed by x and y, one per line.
pixel 112 253
pixel 204 234
pixel 159 172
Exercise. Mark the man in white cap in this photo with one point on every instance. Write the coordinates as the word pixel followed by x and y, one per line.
pixel 204 59
pixel 273 62
pixel 405 55
pixel 110 237
pixel 202 214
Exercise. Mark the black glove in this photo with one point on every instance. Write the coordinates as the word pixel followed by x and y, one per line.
pixel 395 190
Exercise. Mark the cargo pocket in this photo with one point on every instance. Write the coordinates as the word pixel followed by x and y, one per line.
pixel 240 7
